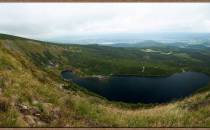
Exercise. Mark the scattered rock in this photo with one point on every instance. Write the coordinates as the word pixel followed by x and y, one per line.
pixel 24 109
pixel 67 125
pixel 35 117
pixel 41 124
pixel 60 86
pixel 48 108
pixel 30 120
pixel 56 113
pixel 35 112
pixel 35 102
pixel 46 118
pixel 20 120
pixel 29 111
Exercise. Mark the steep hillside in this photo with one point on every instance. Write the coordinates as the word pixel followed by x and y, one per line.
pixel 32 93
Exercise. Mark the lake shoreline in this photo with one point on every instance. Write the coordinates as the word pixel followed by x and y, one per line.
pixel 133 89
pixel 128 75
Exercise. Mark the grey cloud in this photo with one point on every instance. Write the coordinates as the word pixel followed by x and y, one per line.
pixel 53 20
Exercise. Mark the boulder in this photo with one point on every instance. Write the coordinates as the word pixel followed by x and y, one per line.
pixel 30 120
pixel 48 108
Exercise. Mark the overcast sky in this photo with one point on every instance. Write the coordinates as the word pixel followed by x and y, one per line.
pixel 44 21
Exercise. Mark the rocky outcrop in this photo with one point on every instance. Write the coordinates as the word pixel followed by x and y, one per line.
pixel 34 117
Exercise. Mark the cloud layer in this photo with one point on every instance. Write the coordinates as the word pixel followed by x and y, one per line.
pixel 44 21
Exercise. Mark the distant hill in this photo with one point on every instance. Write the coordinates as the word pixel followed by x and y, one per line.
pixel 148 43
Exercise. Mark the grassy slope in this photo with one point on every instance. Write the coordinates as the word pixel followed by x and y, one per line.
pixel 34 83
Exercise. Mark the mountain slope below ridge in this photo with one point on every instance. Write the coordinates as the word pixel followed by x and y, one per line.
pixel 103 60
pixel 32 94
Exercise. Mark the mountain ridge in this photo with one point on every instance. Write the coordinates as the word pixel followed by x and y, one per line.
pixel 32 94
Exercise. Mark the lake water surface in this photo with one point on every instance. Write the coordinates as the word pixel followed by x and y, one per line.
pixel 142 89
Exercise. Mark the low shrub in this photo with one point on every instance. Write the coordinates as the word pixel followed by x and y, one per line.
pixel 4 104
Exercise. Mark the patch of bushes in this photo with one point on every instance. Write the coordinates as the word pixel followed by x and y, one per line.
pixel 4 64
pixel 4 104
pixel 1 82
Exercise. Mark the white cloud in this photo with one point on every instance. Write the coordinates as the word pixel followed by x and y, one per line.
pixel 43 21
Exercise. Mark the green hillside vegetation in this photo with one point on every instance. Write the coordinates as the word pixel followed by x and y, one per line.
pixel 32 93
